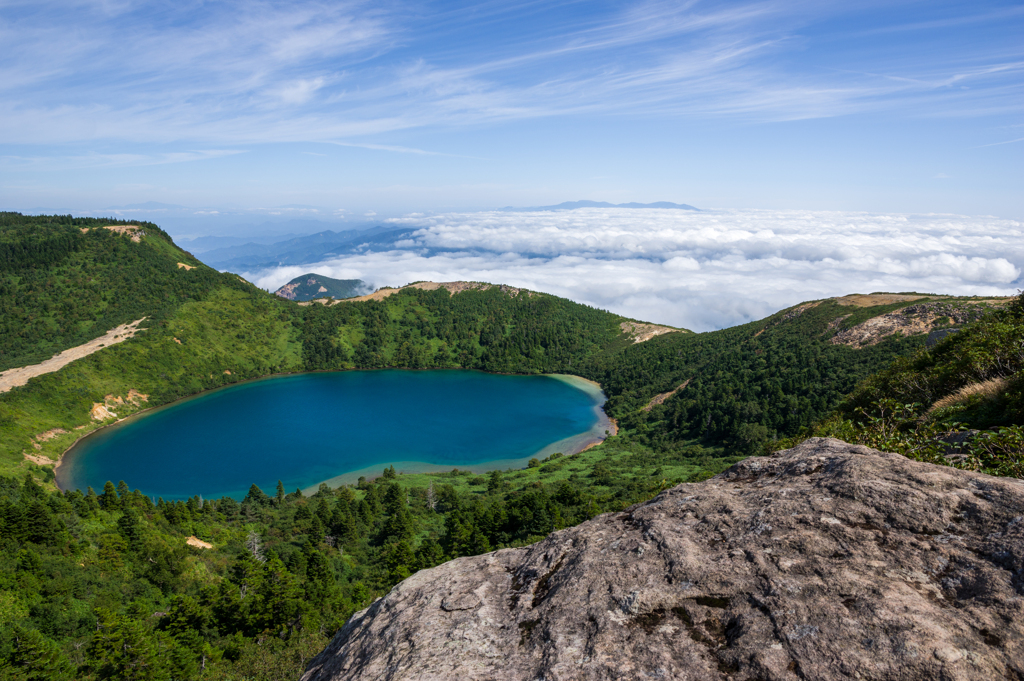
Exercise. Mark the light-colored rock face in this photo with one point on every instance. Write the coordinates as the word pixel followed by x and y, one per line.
pixel 641 332
pixel 910 321
pixel 825 561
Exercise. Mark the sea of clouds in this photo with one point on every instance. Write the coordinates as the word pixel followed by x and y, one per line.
pixel 700 270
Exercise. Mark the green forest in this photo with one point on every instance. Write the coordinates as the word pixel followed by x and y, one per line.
pixel 104 584
pixel 745 386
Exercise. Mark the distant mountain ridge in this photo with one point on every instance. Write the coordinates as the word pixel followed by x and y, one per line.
pixel 258 254
pixel 572 205
pixel 301 250
pixel 312 286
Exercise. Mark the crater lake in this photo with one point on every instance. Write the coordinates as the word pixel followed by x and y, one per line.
pixel 333 427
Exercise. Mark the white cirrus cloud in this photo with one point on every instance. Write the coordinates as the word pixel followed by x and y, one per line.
pixel 259 71
pixel 701 270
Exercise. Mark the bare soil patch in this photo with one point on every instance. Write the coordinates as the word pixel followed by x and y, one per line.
pixel 661 397
pixel 133 231
pixel 38 460
pixel 198 543
pixel 99 412
pixel 12 378
pixel 50 434
pixel 641 332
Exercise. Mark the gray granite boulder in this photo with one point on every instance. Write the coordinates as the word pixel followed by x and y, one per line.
pixel 825 561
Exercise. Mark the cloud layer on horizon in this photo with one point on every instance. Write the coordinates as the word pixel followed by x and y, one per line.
pixel 702 271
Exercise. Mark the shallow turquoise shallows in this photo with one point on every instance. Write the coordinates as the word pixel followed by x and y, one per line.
pixel 332 427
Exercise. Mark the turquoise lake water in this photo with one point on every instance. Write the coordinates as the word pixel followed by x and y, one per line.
pixel 333 427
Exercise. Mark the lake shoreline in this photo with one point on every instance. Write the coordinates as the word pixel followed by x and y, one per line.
pixel 578 442
pixel 566 446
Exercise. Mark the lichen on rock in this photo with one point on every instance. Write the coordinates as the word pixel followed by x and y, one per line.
pixel 828 560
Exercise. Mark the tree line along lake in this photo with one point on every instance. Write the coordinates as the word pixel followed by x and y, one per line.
pixel 333 427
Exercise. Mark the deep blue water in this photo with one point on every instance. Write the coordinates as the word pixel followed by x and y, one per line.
pixel 309 428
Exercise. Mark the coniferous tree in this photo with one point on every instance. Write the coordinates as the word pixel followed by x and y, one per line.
pixel 109 499
pixel 37 658
pixel 128 527
pixel 121 648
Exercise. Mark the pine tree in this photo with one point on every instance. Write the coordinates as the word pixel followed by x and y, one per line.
pixel 429 553
pixel 399 560
pixel 256 496
pixel 90 497
pixel 316 530
pixel 129 528
pixel 39 525
pixel 319 577
pixel 31 488
pixel 109 500
pixel 37 658
pixel 121 648
pixel 343 526
pixel 394 498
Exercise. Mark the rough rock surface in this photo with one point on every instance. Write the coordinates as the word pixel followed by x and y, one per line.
pixel 641 332
pixel 909 321
pixel 824 561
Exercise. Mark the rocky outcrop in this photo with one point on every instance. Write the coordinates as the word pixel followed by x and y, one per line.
pixel 824 561
pixel 134 232
pixel 641 331
pixel 909 321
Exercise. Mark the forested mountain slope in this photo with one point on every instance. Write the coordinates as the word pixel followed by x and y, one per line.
pixel 958 403
pixel 66 280
pixel 747 385
pixel 69 280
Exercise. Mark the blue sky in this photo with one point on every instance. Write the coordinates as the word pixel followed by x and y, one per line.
pixel 391 107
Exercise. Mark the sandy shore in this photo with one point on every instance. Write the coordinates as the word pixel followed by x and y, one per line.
pixel 603 428
pixel 580 378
